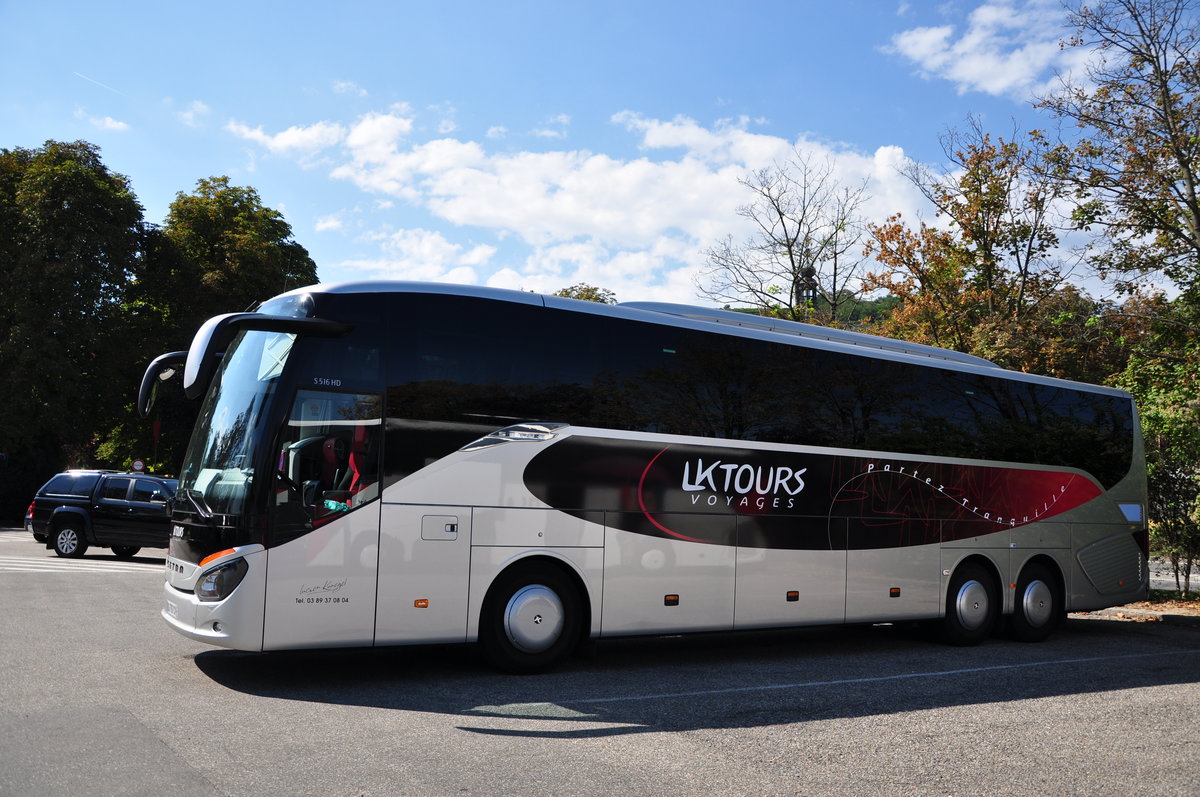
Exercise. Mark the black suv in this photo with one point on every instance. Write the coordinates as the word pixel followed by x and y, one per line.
pixel 122 511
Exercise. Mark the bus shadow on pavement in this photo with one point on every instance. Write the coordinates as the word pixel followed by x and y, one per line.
pixel 723 680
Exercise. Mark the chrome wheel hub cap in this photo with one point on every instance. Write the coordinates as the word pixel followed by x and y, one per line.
pixel 971 605
pixel 533 619
pixel 1037 603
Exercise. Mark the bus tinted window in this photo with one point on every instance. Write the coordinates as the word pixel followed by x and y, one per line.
pixel 463 367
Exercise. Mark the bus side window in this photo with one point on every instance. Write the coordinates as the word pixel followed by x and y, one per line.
pixel 328 460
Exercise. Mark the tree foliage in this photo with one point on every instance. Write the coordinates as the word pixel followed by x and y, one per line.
pixel 70 235
pixel 989 278
pixel 1137 109
pixel 220 251
pixel 90 293
pixel 587 293
pixel 228 250
pixel 803 259
pixel 1165 380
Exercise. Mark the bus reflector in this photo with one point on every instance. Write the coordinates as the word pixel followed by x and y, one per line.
pixel 214 556
pixel 670 600
pixel 421 603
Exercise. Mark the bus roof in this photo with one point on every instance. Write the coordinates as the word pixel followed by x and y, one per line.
pixel 809 331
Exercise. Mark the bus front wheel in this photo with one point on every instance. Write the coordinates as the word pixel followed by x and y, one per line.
pixel 530 620
pixel 972 603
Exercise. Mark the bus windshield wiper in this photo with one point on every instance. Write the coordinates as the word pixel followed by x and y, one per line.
pixel 200 506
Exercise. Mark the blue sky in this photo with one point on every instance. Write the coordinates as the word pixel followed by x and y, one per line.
pixel 523 144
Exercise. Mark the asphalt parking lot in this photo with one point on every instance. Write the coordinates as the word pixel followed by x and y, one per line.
pixel 100 697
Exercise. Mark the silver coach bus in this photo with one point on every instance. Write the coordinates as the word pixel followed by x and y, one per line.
pixel 388 463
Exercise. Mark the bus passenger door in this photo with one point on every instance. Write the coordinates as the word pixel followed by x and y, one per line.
pixel 424 567
pixel 324 535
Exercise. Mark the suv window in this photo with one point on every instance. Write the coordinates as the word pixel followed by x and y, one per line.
pixel 115 489
pixel 76 484
pixel 146 491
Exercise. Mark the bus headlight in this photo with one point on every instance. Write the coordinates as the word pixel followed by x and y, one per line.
pixel 216 584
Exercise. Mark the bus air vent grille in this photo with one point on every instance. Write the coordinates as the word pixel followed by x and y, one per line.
pixel 1113 565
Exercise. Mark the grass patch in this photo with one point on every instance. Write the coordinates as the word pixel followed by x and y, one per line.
pixel 1174 596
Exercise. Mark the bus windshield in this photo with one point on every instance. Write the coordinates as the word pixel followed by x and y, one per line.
pixel 218 468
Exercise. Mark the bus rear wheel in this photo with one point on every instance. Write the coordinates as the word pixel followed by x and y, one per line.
pixel 972 603
pixel 1037 605
pixel 530 620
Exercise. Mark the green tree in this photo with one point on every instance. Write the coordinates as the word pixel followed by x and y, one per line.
pixel 1137 109
pixel 588 293
pixel 1164 378
pixel 220 251
pixel 989 279
pixel 70 238
pixel 229 251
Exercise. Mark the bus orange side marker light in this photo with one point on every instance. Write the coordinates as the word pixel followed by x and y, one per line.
pixel 670 600
pixel 421 603
pixel 894 592
pixel 213 556
pixel 793 596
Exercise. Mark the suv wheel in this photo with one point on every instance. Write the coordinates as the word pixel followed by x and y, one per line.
pixel 69 541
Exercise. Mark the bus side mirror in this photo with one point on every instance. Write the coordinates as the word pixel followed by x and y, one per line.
pixel 160 369
pixel 309 493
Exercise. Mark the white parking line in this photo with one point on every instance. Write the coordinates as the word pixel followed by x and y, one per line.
pixel 25 564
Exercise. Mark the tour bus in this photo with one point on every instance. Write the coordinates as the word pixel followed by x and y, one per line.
pixel 390 463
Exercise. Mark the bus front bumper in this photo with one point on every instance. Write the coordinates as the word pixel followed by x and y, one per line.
pixel 236 622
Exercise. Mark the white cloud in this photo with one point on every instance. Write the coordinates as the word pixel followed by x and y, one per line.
pixel 415 254
pixel 544 220
pixel 1008 48
pixel 557 128
pixel 445 112
pixel 108 123
pixel 102 122
pixel 497 131
pixel 193 115
pixel 297 139
pixel 727 142
pixel 328 223
pixel 348 87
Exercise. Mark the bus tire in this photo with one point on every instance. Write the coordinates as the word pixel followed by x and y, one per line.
pixel 972 604
pixel 1037 604
pixel 125 551
pixel 530 620
pixel 69 541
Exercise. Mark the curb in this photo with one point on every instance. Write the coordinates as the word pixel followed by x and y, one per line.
pixel 1144 616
